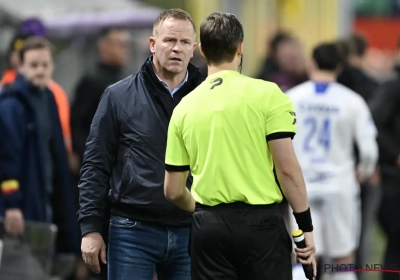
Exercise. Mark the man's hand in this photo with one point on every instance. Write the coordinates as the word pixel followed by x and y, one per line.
pixel 93 249
pixel 375 179
pixel 81 272
pixel 359 178
pixel 14 221
pixel 307 255
pixel 74 163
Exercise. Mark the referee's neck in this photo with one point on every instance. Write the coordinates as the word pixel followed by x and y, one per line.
pixel 212 69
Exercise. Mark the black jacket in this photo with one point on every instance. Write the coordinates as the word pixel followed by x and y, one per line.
pixel 385 109
pixel 358 81
pixel 126 151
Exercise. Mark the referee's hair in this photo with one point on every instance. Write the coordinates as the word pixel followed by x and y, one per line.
pixel 220 36
pixel 327 57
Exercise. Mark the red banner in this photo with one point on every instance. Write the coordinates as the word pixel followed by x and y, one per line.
pixel 381 33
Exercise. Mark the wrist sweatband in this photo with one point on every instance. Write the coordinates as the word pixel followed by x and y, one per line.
pixel 304 220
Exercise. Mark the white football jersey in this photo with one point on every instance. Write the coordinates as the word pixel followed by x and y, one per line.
pixel 331 119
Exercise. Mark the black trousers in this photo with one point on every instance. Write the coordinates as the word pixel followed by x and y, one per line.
pixel 389 218
pixel 239 241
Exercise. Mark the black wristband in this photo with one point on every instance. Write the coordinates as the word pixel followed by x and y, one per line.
pixel 304 220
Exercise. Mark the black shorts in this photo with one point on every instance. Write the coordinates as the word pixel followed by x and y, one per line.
pixel 239 241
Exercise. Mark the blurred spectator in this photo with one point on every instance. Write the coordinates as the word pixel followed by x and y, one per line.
pixel 60 96
pixel 346 76
pixel 358 46
pixel 113 46
pixel 379 65
pixel 291 63
pixel 351 76
pixel 270 65
pixel 35 182
pixel 385 107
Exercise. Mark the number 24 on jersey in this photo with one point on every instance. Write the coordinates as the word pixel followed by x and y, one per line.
pixel 318 133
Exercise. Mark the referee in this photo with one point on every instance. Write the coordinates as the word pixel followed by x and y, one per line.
pixel 229 132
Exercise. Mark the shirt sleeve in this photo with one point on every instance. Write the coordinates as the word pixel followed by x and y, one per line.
pixel 177 157
pixel 280 116
pixel 366 139
pixel 365 125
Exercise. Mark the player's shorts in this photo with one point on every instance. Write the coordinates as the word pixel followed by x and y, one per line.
pixel 336 218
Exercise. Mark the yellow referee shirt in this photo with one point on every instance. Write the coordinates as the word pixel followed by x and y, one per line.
pixel 220 131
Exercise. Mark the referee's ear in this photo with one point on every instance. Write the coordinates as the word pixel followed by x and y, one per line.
pixel 239 50
pixel 201 50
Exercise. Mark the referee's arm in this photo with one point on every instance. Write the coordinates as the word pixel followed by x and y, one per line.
pixel 289 173
pixel 280 129
pixel 177 166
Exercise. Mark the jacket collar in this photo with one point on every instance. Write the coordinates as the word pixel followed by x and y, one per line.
pixel 26 87
pixel 23 89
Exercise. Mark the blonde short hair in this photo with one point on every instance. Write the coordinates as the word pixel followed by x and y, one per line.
pixel 172 13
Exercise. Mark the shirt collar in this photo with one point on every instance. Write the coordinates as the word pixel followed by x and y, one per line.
pixel 178 87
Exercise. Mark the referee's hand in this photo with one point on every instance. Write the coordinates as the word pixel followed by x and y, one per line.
pixel 93 250
pixel 307 254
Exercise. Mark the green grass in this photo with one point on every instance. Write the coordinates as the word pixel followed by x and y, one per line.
pixel 378 251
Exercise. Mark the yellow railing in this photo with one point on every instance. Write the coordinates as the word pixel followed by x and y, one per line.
pixel 312 21
pixel 200 9
pixel 258 18
pixel 259 21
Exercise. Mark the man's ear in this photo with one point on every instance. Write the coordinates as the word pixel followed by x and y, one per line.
pixel 194 48
pixel 201 50
pixel 240 49
pixel 152 44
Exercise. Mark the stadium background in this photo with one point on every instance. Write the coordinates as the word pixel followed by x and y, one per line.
pixel 72 26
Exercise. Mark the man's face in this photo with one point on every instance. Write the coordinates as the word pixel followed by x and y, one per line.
pixel 290 57
pixel 174 45
pixel 115 49
pixel 37 67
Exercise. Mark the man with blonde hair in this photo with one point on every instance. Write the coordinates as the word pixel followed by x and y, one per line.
pixel 125 154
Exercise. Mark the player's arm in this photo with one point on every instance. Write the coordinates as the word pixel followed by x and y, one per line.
pixel 366 139
pixel 280 129
pixel 13 132
pixel 177 166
